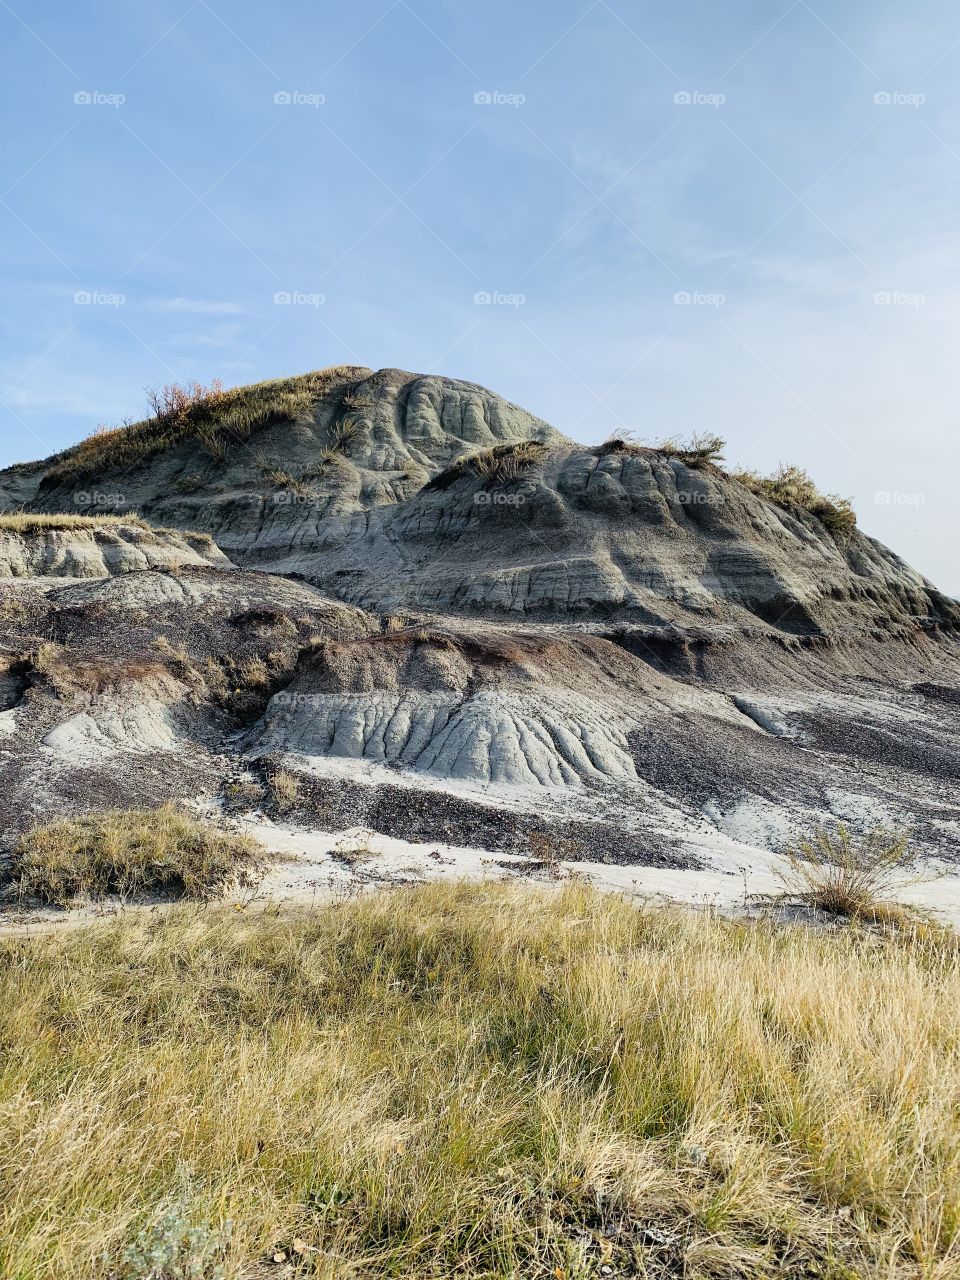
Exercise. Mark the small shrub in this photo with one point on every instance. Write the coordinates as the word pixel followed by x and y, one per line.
pixel 284 788
pixel 171 1249
pixel 620 442
pixel 245 794
pixel 132 851
pixel 178 399
pixel 342 434
pixel 322 461
pixel 848 875
pixel 357 400
pixel 502 464
pixel 354 846
pixel 551 851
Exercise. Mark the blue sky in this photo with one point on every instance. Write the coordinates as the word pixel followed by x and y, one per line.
pixel 738 218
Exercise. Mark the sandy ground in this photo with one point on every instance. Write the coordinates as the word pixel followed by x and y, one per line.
pixel 313 867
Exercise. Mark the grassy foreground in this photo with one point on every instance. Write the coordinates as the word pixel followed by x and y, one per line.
pixel 477 1081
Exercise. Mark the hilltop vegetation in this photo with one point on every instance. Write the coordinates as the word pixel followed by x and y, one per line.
pixel 25 522
pixel 214 417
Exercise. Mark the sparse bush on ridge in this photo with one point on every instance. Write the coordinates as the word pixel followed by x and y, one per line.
pixel 501 464
pixel 789 487
pixel 131 852
pixel 703 449
pixel 480 1081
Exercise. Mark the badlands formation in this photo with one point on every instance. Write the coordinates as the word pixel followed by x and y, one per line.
pixel 397 601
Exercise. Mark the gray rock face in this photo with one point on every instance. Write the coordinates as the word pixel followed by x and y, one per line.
pixel 96 551
pixel 369 497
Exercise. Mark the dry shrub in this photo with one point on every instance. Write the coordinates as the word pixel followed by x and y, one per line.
pixel 849 875
pixel 177 400
pixel 284 788
pixel 502 464
pixel 702 449
pixel 342 434
pixel 132 852
pixel 354 846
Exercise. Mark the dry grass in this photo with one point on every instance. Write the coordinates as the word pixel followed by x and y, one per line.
pixel 792 487
pixel 25 523
pixel 502 464
pixel 284 788
pixel 478 1082
pixel 342 433
pixel 702 449
pixel 131 852
pixel 218 420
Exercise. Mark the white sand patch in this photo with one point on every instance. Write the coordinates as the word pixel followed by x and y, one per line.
pixel 8 724
pixel 321 864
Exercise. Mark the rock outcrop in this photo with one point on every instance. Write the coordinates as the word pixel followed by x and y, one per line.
pixel 404 587
pixel 92 548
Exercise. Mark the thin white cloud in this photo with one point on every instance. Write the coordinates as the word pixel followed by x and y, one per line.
pixel 196 306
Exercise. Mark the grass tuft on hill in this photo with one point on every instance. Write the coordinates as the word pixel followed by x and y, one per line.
pixel 846 874
pixel 130 853
pixel 502 464
pixel 478 1081
pixel 217 419
pixel 792 488
pixel 26 523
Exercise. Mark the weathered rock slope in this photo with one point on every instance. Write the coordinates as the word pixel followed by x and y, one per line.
pixel 451 618
pixel 387 491
pixel 93 549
